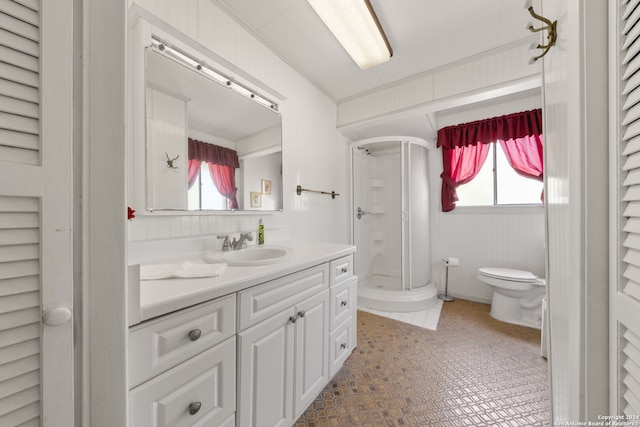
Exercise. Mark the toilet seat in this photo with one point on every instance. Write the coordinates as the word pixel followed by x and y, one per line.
pixel 508 274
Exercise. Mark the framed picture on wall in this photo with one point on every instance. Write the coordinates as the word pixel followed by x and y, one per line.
pixel 266 186
pixel 256 199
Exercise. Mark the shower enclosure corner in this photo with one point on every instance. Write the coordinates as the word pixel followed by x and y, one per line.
pixel 390 223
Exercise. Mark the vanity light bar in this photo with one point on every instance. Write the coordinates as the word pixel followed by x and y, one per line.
pixel 181 57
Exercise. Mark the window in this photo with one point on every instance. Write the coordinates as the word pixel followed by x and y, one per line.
pixel 498 183
pixel 204 195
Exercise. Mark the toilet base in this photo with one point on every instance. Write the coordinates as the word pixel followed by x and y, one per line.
pixel 511 310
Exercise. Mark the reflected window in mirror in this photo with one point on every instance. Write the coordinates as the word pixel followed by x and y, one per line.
pixel 215 169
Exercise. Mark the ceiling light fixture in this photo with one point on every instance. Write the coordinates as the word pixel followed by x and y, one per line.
pixel 355 24
pixel 550 27
pixel 199 66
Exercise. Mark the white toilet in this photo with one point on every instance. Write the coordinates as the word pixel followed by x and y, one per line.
pixel 517 295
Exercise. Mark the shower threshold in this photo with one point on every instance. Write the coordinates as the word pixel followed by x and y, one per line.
pixel 384 293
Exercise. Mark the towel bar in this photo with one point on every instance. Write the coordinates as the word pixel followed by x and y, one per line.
pixel 299 191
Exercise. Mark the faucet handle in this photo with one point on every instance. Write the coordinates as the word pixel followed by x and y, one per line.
pixel 226 245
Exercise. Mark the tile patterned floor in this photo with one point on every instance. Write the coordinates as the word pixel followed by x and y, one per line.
pixel 472 371
pixel 424 318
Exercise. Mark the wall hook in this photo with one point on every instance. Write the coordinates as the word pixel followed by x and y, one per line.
pixel 170 161
pixel 550 27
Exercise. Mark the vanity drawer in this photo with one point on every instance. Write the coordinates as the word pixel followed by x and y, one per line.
pixel 342 300
pixel 341 269
pixel 341 343
pixel 156 346
pixel 201 391
pixel 263 301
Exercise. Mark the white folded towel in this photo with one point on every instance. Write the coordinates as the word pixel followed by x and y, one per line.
pixel 183 270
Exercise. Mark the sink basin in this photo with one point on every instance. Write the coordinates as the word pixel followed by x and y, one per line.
pixel 255 255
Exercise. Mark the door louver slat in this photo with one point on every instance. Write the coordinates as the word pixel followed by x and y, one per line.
pixel 627 343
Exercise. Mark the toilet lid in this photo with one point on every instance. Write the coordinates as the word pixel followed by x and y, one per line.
pixel 508 274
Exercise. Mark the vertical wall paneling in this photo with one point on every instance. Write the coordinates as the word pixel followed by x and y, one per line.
pixel 313 151
pixel 510 237
pixel 167 128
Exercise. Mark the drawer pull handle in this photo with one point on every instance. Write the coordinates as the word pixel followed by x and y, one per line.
pixel 194 408
pixel 195 335
pixel 293 319
pixel 301 313
pixel 344 270
pixel 344 303
pixel 343 346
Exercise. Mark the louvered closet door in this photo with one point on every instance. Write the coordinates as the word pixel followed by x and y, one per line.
pixel 36 357
pixel 625 292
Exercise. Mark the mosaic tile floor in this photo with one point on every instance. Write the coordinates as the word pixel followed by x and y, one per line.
pixel 424 318
pixel 472 371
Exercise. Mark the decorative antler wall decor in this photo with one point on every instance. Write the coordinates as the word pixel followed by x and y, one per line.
pixel 170 161
pixel 550 27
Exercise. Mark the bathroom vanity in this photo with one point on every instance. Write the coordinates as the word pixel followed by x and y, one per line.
pixel 253 346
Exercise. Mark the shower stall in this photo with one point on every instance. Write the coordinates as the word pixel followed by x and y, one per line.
pixel 390 223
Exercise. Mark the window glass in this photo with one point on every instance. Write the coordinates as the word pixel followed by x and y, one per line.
pixel 496 173
pixel 513 188
pixel 203 194
pixel 478 191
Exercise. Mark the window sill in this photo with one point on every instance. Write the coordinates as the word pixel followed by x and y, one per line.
pixel 497 210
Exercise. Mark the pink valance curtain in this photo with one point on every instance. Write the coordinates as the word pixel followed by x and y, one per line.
pixel 519 135
pixel 214 154
pixel 222 163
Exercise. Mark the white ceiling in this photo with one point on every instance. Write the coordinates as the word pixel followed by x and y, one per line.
pixel 424 34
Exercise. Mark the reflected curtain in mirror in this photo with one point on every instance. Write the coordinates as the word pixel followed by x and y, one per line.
pixel 221 163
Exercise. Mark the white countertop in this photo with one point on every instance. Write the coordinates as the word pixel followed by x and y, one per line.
pixel 158 297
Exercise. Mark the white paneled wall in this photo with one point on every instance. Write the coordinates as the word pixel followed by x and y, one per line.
pixel 473 74
pixel 511 237
pixel 486 237
pixel 313 153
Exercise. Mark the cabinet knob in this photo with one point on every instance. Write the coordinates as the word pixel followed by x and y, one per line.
pixel 301 313
pixel 195 335
pixel 344 303
pixel 344 269
pixel 194 408
pixel 343 346
pixel 293 319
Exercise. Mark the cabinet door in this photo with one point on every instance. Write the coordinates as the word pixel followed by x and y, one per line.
pixel 311 357
pixel 265 374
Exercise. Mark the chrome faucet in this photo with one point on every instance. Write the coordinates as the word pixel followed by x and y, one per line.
pixel 226 245
pixel 241 243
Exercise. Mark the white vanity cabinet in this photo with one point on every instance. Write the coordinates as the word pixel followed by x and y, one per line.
pixel 342 339
pixel 255 353
pixel 283 359
pixel 182 368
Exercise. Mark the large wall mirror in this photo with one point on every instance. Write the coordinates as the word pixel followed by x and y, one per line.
pixel 208 147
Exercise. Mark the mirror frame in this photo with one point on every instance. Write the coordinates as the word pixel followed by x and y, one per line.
pixel 143 30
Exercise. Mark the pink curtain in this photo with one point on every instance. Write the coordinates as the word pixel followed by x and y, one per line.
pixel 525 155
pixel 224 178
pixel 461 165
pixel 222 163
pixel 193 169
pixel 519 134
pixel 211 153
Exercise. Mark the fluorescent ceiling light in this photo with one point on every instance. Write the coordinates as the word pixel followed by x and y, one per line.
pixel 355 25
